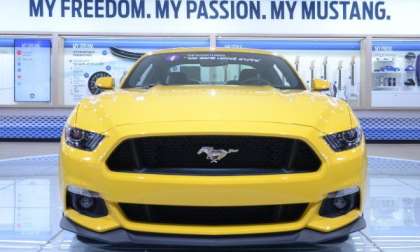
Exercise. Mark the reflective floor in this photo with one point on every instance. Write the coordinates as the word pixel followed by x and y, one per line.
pixel 30 209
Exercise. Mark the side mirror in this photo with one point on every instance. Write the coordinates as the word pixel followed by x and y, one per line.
pixel 106 83
pixel 320 85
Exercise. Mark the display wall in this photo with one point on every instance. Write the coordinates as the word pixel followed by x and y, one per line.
pixel 367 49
pixel 396 73
pixel 337 61
pixel 85 60
pixel 78 61
pixel 25 71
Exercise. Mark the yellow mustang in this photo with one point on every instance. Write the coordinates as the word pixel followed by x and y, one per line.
pixel 212 147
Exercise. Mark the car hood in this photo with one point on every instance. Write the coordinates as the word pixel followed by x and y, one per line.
pixel 213 103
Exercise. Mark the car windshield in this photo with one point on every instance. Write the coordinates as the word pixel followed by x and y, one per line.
pixel 213 68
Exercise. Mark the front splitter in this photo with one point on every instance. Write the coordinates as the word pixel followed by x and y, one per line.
pixel 122 236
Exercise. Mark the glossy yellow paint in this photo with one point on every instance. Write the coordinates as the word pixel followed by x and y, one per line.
pixel 213 110
pixel 105 83
pixel 320 85
pixel 213 103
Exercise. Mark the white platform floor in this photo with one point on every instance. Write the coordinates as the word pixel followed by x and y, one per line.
pixel 30 209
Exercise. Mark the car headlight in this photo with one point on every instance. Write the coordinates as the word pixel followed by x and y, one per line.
pixel 345 140
pixel 82 139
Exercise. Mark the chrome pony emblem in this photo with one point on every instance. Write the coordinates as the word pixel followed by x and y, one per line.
pixel 215 155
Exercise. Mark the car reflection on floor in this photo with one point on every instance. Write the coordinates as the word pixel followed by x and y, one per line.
pixel 30 210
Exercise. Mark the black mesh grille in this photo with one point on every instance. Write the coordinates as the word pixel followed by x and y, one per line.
pixel 213 215
pixel 179 155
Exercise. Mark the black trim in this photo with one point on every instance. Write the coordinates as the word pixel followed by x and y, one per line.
pixel 121 236
pixel 216 172
pixel 126 54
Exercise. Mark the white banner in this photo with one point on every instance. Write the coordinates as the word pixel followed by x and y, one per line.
pixel 329 17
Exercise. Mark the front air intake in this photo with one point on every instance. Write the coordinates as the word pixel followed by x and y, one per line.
pixel 244 215
pixel 213 155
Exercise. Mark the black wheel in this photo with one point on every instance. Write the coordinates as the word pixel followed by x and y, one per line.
pixel 338 240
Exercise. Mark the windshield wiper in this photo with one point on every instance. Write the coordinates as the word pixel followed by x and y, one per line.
pixel 150 85
pixel 144 86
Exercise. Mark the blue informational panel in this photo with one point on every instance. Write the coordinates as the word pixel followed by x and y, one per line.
pixel 301 45
pixel 32 70
pixel 394 45
pixel 85 60
pixel 396 73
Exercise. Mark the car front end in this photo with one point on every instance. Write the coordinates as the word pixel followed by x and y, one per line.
pixel 212 166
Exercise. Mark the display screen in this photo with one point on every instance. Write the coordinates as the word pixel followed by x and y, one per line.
pixel 32 70
pixel 7 71
pixel 25 70
pixel 86 60
pixel 337 61
pixel 396 74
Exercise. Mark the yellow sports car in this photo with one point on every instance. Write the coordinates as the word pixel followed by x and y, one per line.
pixel 212 147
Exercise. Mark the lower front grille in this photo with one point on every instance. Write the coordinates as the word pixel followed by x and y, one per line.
pixel 187 215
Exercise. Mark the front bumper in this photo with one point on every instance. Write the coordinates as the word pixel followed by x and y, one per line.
pixel 339 171
pixel 122 236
